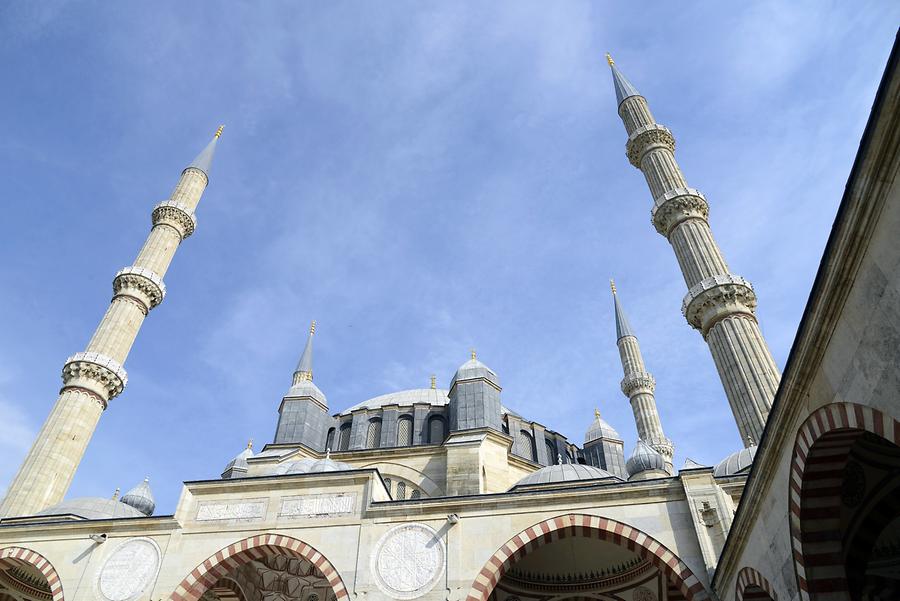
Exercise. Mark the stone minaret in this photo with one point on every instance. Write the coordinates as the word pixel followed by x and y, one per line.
pixel 719 304
pixel 638 385
pixel 94 377
pixel 303 414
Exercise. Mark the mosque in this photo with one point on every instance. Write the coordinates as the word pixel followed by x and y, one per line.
pixel 447 494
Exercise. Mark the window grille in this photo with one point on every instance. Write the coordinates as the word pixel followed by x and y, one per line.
pixel 404 431
pixel 373 435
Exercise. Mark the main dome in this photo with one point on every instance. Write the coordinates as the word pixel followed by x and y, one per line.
pixel 436 397
pixel 93 508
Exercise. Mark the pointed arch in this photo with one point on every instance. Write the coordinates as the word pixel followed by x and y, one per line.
pixel 824 441
pixel 37 561
pixel 218 565
pixel 591 526
pixel 750 583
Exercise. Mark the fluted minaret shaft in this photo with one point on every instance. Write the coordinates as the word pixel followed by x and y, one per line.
pixel 638 385
pixel 722 306
pixel 94 377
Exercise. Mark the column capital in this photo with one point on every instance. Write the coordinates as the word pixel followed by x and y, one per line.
pixel 141 284
pixel 677 206
pixel 716 298
pixel 175 215
pixel 95 373
pixel 646 138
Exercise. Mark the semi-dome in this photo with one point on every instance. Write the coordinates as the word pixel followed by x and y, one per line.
pixel 93 508
pixel 644 458
pixel 564 472
pixel 141 498
pixel 736 463
pixel 600 429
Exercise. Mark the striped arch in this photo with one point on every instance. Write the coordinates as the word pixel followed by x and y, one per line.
pixel 823 443
pixel 589 526
pixel 753 586
pixel 208 573
pixel 36 560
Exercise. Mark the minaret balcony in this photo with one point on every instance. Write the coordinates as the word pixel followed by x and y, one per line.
pixel 140 283
pixel 677 206
pixel 175 215
pixel 96 373
pixel 637 383
pixel 647 138
pixel 716 298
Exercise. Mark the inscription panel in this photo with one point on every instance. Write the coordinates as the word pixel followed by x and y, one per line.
pixel 313 506
pixel 408 561
pixel 129 570
pixel 247 509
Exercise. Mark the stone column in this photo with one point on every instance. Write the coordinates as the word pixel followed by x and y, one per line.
pixel 94 377
pixel 721 305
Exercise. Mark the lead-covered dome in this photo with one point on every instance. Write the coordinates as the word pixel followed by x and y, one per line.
pixel 93 508
pixel 644 458
pixel 436 397
pixel 736 463
pixel 308 465
pixel 141 498
pixel 474 369
pixel 564 472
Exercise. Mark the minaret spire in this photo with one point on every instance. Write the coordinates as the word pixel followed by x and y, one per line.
pixel 94 377
pixel 721 305
pixel 638 385
pixel 304 369
pixel 203 162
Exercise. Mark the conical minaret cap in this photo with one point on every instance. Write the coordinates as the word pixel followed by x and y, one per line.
pixel 141 498
pixel 623 328
pixel 305 365
pixel 302 384
pixel 204 160
pixel 624 89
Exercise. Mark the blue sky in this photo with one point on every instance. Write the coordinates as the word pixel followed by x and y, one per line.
pixel 421 178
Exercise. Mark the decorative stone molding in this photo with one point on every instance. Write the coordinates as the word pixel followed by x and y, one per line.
pixel 717 297
pixel 646 138
pixel 95 373
pixel 177 216
pixel 141 283
pixel 663 446
pixel 634 383
pixel 677 206
pixel 408 561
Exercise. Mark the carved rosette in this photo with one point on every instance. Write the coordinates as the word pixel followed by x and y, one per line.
pixel 647 138
pixel 635 383
pixel 141 284
pixel 175 215
pixel 677 206
pixel 716 298
pixel 95 373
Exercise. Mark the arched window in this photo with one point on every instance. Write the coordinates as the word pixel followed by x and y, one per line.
pixel 329 440
pixel 404 431
pixel 344 441
pixel 552 453
pixel 387 484
pixel 401 490
pixel 437 429
pixel 373 435
pixel 416 494
pixel 525 445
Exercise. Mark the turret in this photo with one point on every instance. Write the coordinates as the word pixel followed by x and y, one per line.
pixel 719 304
pixel 475 397
pixel 639 385
pixel 91 379
pixel 303 415
pixel 603 447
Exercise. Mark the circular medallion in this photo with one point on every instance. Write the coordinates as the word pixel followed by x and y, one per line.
pixel 408 561
pixel 128 571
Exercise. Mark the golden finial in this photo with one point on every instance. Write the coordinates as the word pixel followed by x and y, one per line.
pixel 312 328
pixel 433 382
pixel 597 413
pixel 116 494
pixel 610 60
pixel 473 354
pixel 612 285
pixel 219 131
pixel 250 444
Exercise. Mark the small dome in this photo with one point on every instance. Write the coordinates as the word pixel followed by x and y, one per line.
pixel 308 465
pixel 564 472
pixel 306 388
pixel 93 508
pixel 329 465
pixel 141 498
pixel 736 463
pixel 473 369
pixel 301 466
pixel 240 461
pixel 600 429
pixel 644 458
